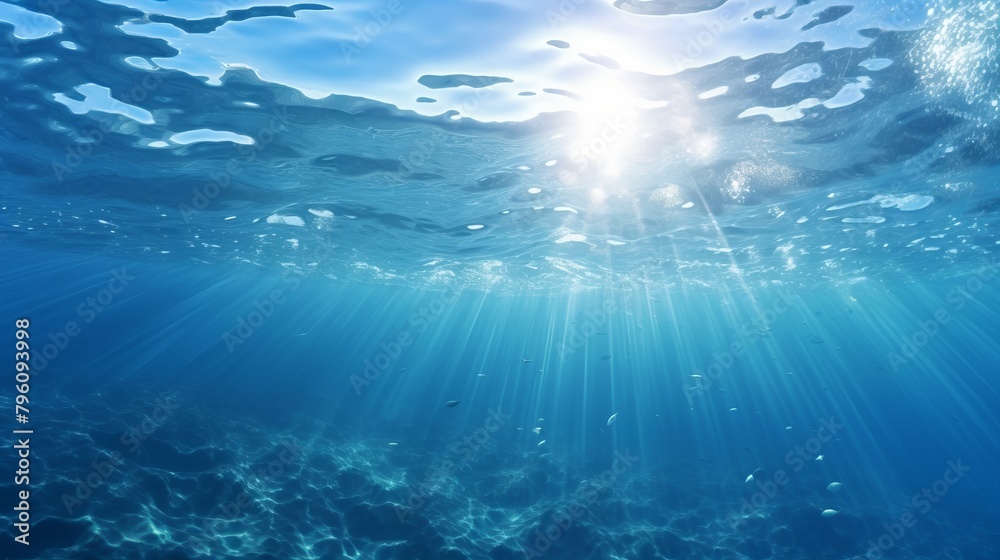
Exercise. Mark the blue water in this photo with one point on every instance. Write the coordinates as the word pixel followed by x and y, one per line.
pixel 493 280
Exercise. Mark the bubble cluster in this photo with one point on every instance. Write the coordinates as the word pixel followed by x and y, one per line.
pixel 957 53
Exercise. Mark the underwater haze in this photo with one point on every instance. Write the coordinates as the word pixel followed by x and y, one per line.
pixel 500 279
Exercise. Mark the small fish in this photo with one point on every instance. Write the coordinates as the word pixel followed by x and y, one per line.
pixel 393 444
pixel 612 419
pixel 541 420
pixel 452 404
pixel 829 512
pixel 481 375
pixel 526 361
pixel 301 334
pixel 537 430
pixel 402 370
pixel 818 458
pixel 704 460
pixel 788 427
pixel 606 357
pixel 694 376
pixel 544 455
pixel 816 340
pixel 721 389
pixel 835 486
pixel 541 443
pixel 732 409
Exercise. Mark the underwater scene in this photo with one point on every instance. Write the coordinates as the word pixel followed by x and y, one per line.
pixel 500 279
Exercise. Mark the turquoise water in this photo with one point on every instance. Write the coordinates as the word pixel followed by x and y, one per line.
pixel 495 280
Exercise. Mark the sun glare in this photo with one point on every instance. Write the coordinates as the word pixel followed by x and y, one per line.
pixel 607 128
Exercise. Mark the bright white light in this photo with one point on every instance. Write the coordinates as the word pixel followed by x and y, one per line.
pixel 607 113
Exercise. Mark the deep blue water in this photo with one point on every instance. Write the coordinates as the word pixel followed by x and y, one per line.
pixel 500 280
